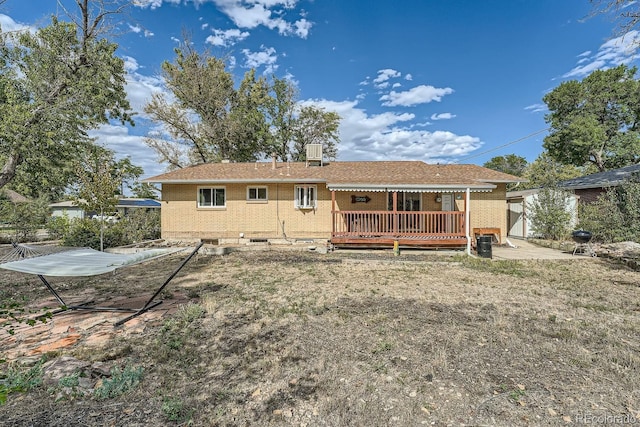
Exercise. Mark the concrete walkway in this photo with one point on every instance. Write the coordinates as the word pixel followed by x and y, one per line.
pixel 526 250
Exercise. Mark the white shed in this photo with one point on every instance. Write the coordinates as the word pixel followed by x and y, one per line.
pixel 519 212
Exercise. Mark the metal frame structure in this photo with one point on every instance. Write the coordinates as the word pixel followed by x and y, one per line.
pixel 151 302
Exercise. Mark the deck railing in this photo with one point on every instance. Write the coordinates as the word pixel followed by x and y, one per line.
pixel 418 224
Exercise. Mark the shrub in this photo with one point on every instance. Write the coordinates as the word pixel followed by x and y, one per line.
pixel 141 225
pixel 16 379
pixel 615 215
pixel 83 233
pixel 135 227
pixel 58 226
pixel 550 215
pixel 25 218
pixel 121 382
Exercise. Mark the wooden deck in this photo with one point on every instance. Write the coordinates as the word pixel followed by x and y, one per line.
pixel 383 228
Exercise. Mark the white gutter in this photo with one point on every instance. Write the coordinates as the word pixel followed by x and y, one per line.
pixel 433 188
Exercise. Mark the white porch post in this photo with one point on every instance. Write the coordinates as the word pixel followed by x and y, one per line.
pixel 467 199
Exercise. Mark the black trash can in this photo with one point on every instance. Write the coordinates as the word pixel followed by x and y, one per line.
pixel 484 246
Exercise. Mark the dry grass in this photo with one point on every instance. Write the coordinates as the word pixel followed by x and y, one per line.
pixel 286 338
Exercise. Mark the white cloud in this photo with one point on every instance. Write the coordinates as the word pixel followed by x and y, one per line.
pixel 249 14
pixel 389 136
pixel 536 108
pixel 8 25
pixel 442 116
pixel 382 81
pixel 418 95
pixel 118 139
pixel 227 37
pixel 153 4
pixel 617 51
pixel 408 77
pixel 138 29
pixel 269 13
pixel 130 64
pixel 302 27
pixel 266 57
pixel 139 87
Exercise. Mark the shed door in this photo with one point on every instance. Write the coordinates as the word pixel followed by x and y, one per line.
pixel 515 214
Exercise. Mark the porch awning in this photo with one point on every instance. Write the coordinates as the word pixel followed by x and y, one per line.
pixel 412 188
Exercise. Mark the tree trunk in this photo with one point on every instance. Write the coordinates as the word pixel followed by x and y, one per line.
pixel 9 169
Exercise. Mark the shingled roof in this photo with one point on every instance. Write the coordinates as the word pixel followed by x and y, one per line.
pixel 610 178
pixel 372 175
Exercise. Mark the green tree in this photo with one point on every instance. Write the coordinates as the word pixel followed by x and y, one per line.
pixel 511 164
pixel 315 126
pixel 544 171
pixel 196 127
pixel 550 215
pixel 281 112
pixel 595 121
pixel 24 217
pixel 210 120
pixel 99 186
pixel 144 190
pixel 615 215
pixel 127 172
pixel 55 85
pixel 249 135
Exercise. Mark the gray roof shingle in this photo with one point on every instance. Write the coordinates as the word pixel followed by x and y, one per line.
pixel 608 178
pixel 392 173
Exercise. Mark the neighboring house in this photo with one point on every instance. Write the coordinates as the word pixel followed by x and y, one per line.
pixel 124 207
pixel 346 203
pixel 68 208
pixel 519 211
pixel 590 187
pixel 584 189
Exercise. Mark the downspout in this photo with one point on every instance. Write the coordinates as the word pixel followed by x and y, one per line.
pixel 333 213
pixel 467 200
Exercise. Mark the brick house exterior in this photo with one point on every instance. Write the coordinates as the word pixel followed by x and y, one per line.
pixel 345 202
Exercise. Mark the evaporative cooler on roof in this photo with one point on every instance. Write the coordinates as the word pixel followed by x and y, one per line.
pixel 314 154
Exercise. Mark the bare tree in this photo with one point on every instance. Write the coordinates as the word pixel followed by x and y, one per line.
pixel 627 12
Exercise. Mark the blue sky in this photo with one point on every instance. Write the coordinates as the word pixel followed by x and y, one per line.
pixel 438 81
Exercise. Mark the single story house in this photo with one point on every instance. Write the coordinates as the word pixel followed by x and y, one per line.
pixel 367 203
pixel 124 207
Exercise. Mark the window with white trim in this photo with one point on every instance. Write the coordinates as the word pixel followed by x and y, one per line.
pixel 305 196
pixel 257 194
pixel 212 197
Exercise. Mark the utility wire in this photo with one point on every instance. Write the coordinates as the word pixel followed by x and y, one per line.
pixel 503 145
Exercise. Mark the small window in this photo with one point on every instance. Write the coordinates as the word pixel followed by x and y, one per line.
pixel 257 194
pixel 305 196
pixel 212 197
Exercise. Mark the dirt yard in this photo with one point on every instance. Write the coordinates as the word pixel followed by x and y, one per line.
pixel 345 339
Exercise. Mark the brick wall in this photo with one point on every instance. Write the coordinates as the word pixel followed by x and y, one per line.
pixel 277 217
